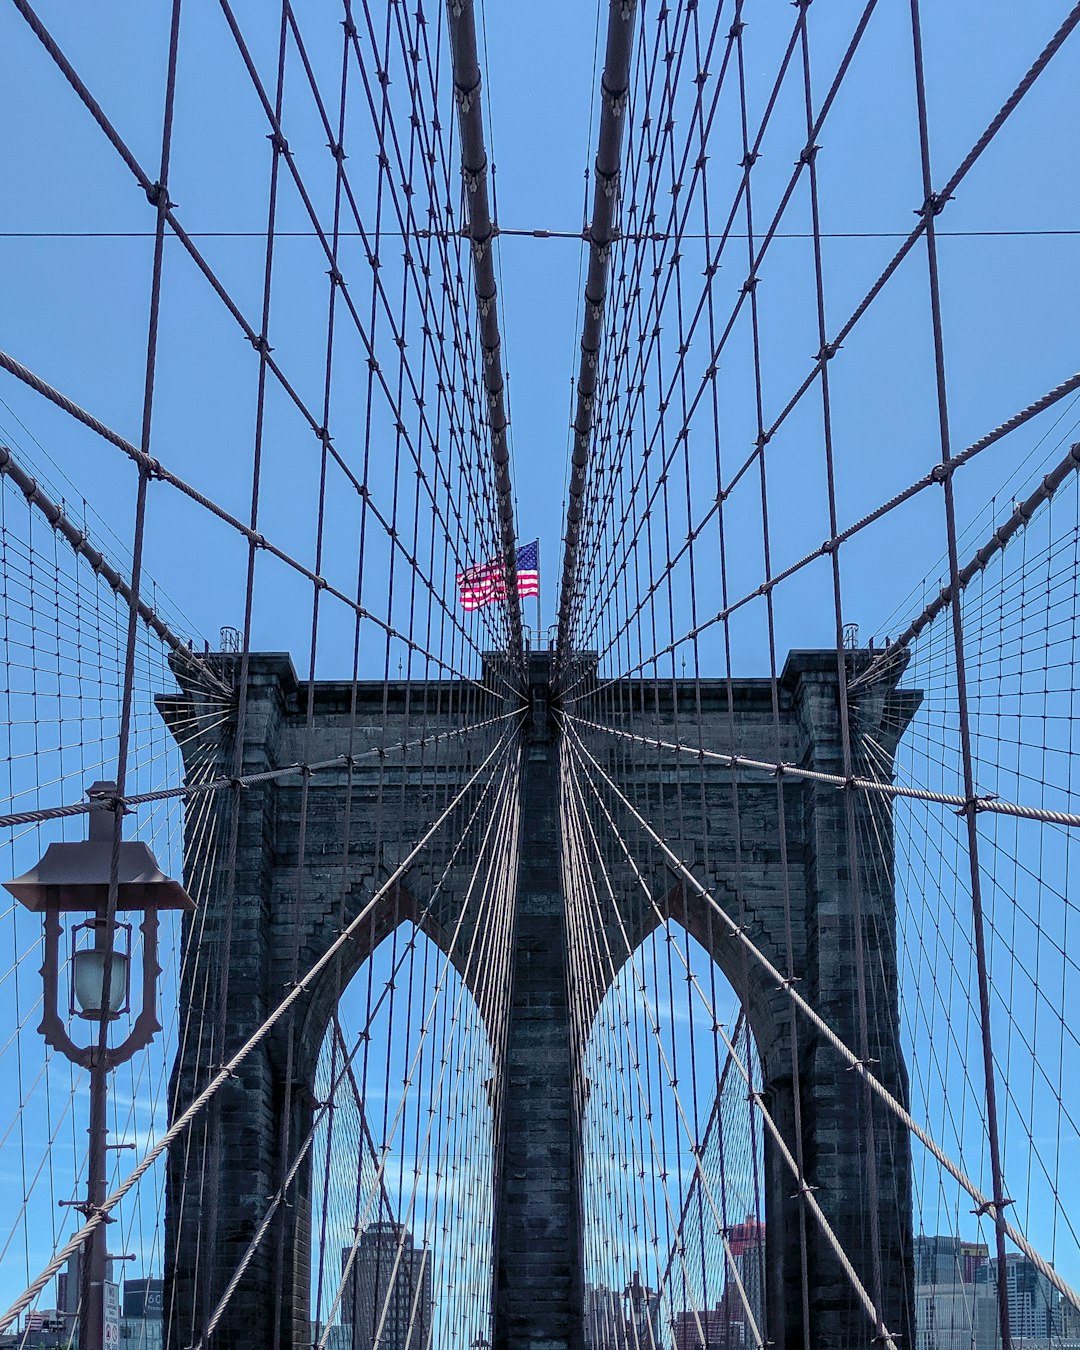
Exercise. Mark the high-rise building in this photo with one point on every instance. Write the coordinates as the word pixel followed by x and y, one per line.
pixel 144 1297
pixel 1033 1300
pixel 388 1298
pixel 604 1322
pixel 747 1243
pixel 973 1255
pixel 956 1316
pixel 708 1329
pixel 727 1326
pixel 952 1310
pixel 939 1259
pixel 1068 1320
pixel 142 1325
pixel 642 1314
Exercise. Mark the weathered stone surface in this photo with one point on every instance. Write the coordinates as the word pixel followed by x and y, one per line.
pixel 279 908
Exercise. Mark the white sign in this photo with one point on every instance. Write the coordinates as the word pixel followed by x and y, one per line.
pixel 110 1301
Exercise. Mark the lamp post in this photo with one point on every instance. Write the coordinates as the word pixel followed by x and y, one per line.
pixel 75 879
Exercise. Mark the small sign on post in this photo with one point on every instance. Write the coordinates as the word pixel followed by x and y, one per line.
pixel 110 1303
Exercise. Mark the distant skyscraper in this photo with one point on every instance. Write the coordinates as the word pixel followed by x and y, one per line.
pixel 642 1314
pixel 388 1295
pixel 708 1329
pixel 142 1327
pixel 939 1259
pixel 144 1297
pixel 604 1322
pixel 1033 1300
pixel 747 1243
pixel 956 1316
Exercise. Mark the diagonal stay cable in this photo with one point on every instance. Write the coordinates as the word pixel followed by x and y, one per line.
pixel 781 769
pixel 219 783
pixel 809 1012
pixel 346 1074
pixel 928 211
pixel 935 476
pixel 80 542
pixel 258 340
pixel 156 469
pixel 805 1189
pixel 1017 521
pixel 228 1069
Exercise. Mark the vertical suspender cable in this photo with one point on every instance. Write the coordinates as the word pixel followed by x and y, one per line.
pixel 614 88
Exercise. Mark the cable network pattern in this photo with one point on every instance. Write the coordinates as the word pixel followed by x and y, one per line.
pixel 342 456
pixel 690 561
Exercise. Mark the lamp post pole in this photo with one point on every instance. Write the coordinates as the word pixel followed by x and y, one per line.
pixel 81 878
pixel 95 1254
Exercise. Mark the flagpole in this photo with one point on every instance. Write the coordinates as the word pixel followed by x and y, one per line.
pixel 538 630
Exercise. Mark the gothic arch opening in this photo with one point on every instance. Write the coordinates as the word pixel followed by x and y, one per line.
pixel 674 1221
pixel 402 1171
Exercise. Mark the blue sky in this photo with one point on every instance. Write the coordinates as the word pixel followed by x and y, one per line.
pixel 74 309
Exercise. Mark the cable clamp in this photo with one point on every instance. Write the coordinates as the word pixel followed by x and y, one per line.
pixel 110 801
pixel 337 150
pixel 236 783
pixel 828 350
pixel 989 1207
pixel 157 195
pixel 464 97
pixel 974 805
pixel 86 1208
pixel 615 99
pixel 934 205
pixel 278 141
pixel 860 1064
pixel 808 153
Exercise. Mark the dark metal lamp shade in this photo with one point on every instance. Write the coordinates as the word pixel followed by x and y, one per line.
pixel 75 877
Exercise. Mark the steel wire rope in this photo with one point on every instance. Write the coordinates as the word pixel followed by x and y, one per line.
pixel 155 469
pixel 407 221
pixel 488 936
pixel 938 202
pixel 628 285
pixel 258 340
pixel 609 977
pixel 345 1076
pixel 342 181
pixel 743 940
pixel 751 155
pixel 222 1074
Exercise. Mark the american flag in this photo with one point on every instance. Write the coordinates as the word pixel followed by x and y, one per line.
pixel 486 582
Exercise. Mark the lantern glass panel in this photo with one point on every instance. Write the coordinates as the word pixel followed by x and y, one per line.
pixel 89 979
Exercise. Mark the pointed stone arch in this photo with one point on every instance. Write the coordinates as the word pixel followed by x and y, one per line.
pixel 269 921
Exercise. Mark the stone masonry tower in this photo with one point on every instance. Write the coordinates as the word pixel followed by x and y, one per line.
pixel 220 1173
